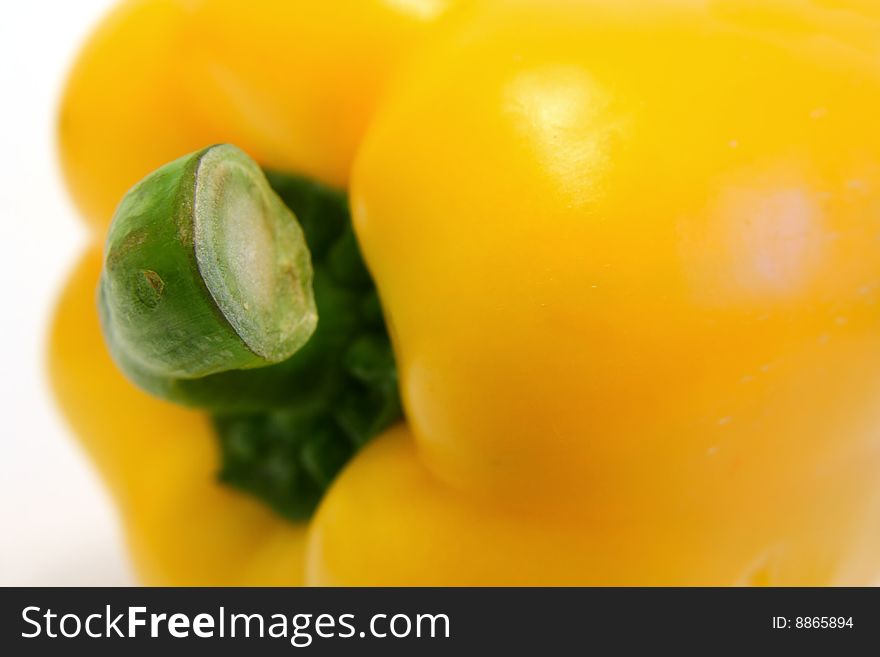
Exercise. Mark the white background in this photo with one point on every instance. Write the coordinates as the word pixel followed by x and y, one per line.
pixel 57 525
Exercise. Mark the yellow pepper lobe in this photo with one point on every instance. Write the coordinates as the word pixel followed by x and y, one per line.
pixel 630 262
pixel 388 521
pixel 291 83
pixel 160 462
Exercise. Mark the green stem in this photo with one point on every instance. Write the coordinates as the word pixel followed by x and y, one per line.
pixel 209 298
pixel 205 271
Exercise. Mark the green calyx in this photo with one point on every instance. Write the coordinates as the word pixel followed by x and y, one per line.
pixel 246 295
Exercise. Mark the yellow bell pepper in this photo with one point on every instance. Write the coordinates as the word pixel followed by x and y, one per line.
pixel 628 259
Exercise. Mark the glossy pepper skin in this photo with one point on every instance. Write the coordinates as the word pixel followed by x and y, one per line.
pixel 292 82
pixel 629 255
pixel 629 258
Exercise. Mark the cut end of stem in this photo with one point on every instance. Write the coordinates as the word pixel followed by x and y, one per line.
pixel 252 255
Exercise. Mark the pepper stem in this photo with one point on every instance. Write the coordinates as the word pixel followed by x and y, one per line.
pixel 205 271
pixel 209 297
